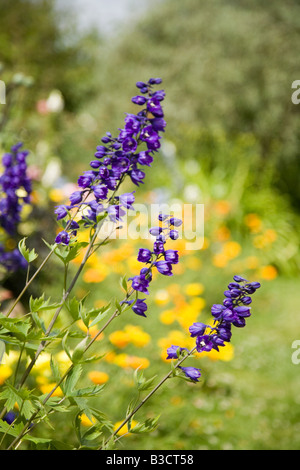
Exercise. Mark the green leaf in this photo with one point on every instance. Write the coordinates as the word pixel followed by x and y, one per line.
pixel 123 283
pixel 79 349
pixel 16 326
pixel 27 409
pixel 55 369
pixel 148 426
pixel 40 303
pixel 102 312
pixel 65 346
pixel 25 252
pixel 72 380
pixel 73 307
pixel 141 382
pixel 88 392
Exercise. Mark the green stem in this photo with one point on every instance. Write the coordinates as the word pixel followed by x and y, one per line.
pixel 29 282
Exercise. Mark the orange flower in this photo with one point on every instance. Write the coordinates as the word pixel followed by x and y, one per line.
pixel 98 377
pixel 222 207
pixel 253 222
pixel 232 249
pixel 268 272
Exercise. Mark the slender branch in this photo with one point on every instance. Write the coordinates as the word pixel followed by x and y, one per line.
pixel 30 281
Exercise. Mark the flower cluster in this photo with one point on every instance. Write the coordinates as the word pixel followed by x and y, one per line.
pixel 116 158
pixel 233 312
pixel 158 258
pixel 15 187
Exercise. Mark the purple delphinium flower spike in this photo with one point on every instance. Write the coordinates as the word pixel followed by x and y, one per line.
pixel 117 158
pixel 13 178
pixel 158 258
pixel 233 312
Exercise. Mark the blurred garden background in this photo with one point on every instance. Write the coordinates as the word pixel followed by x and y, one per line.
pixel 232 143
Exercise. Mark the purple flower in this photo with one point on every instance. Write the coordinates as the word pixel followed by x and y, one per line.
pixel 173 234
pixel 100 191
pixel 204 343
pixel 176 222
pixel 173 352
pixel 140 307
pixel 118 158
pixel 61 212
pixel 155 231
pixel 127 199
pixel 115 213
pixel 137 176
pixel 158 247
pixel 154 107
pixel 129 145
pixel 192 373
pixel 144 255
pixel 86 179
pixel 144 158
pixel 171 256
pixel 164 267
pixel 197 329
pixel 63 238
pixel 140 283
pixel 9 417
pixel 76 197
pixel 140 100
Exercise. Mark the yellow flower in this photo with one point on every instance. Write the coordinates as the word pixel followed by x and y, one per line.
pixel 124 361
pixel 268 272
pixel 56 195
pixel 220 260
pixel 135 362
pixel 10 358
pixel 195 288
pixel 93 330
pixel 226 353
pixel 5 372
pixel 252 262
pixel 124 429
pixel 231 249
pixel 270 235
pixel 222 233
pixel 198 303
pixel 167 317
pixel 193 263
pixel 119 338
pixel 253 222
pixel 46 388
pixel 98 377
pixel 42 365
pixel 137 336
pixel 85 421
pixel 95 275
pixel 162 297
pixel 222 207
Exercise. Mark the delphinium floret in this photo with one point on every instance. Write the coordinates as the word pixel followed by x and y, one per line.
pixel 115 159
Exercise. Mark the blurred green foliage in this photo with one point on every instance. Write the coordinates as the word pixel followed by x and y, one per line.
pixel 227 65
